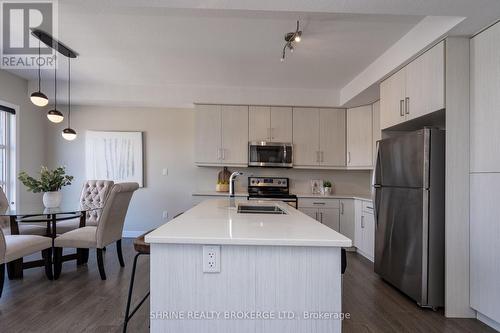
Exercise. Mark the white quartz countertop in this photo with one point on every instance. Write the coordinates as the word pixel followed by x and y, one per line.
pixel 364 197
pixel 213 222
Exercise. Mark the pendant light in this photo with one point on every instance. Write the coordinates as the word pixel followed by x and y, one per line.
pixel 38 98
pixel 55 115
pixel 68 133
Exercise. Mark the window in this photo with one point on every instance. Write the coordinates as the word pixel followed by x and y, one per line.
pixel 7 153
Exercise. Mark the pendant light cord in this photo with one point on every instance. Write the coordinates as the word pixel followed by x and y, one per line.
pixel 39 73
pixel 55 81
pixel 69 92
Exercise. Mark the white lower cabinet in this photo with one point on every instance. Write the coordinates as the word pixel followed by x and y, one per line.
pixel 347 218
pixel 325 211
pixel 364 232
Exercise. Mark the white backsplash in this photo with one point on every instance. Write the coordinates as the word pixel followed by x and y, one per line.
pixel 344 181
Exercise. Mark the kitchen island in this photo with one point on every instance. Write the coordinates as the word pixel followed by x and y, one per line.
pixel 214 269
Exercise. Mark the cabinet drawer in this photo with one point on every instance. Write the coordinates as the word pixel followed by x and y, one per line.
pixel 367 207
pixel 318 203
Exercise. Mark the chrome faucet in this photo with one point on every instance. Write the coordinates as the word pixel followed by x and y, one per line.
pixel 231 187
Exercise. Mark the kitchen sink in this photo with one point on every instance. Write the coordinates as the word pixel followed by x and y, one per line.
pixel 255 209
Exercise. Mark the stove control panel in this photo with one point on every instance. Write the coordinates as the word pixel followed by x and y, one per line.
pixel 268 181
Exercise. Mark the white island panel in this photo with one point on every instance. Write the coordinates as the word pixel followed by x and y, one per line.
pixel 286 282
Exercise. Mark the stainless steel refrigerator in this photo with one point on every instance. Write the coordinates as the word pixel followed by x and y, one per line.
pixel 408 188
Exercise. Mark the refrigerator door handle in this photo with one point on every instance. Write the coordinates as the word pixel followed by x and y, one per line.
pixel 374 185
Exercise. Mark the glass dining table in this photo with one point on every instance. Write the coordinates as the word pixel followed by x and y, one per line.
pixel 37 214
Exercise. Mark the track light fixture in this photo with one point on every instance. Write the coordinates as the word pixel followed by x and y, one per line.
pixel 39 98
pixel 290 38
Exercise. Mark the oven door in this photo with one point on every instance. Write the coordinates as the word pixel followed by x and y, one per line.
pixel 270 154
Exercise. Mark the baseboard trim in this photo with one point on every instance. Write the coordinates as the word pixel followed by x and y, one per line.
pixel 488 321
pixel 132 233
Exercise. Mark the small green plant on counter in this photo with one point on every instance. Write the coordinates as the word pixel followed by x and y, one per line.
pixel 327 183
pixel 50 180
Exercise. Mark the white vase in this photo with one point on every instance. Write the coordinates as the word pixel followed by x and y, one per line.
pixel 52 199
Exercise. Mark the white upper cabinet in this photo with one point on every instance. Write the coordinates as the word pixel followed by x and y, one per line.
pixel 392 99
pixel 270 123
pixel 332 138
pixel 377 133
pixel 485 101
pixel 319 137
pixel 305 136
pixel 221 135
pixel 425 83
pixel 359 137
pixel 259 123
pixel 235 134
pixel 281 124
pixel 208 134
pixel 415 90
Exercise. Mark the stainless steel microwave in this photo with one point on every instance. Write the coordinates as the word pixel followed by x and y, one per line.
pixel 270 154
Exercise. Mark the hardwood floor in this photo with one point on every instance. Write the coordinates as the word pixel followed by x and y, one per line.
pixel 375 306
pixel 81 302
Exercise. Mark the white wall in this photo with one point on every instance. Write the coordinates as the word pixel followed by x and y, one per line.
pixel 30 122
pixel 168 143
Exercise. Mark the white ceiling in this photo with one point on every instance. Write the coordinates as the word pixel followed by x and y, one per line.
pixel 152 53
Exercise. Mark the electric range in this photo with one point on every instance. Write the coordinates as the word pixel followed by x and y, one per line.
pixel 271 188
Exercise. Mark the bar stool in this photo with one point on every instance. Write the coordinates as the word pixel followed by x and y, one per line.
pixel 142 248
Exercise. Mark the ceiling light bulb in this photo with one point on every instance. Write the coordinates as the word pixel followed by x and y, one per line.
pixel 69 134
pixel 39 99
pixel 291 49
pixel 55 116
pixel 297 38
pixel 282 59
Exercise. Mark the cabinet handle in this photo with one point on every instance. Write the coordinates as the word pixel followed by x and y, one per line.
pixel 223 153
pixel 318 203
pixel 271 133
pixel 322 156
pixel 407 105
pixel 342 208
pixel 401 108
pixel 317 156
pixel 218 154
pixel 321 217
pixel 316 218
pixel 362 222
pixel 348 157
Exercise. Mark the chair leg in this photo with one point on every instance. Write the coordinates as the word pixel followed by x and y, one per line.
pixel 129 299
pixel 15 269
pixel 119 251
pixel 47 256
pixel 100 264
pixel 57 262
pixel 104 248
pixel 82 256
pixel 2 277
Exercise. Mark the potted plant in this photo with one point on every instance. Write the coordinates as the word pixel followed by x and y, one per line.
pixel 50 183
pixel 327 187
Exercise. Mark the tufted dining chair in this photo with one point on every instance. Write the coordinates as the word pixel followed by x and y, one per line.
pixel 13 247
pixel 24 228
pixel 108 230
pixel 94 192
